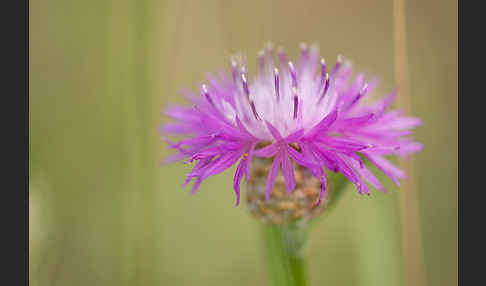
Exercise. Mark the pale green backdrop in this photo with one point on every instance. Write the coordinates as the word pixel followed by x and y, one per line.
pixel 103 213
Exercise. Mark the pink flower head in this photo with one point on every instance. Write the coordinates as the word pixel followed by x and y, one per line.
pixel 298 112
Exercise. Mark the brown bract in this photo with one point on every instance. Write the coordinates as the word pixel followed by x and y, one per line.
pixel 284 207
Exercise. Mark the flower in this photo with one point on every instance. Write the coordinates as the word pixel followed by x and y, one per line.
pixel 300 112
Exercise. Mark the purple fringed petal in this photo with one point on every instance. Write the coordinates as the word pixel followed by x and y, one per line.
pixel 182 113
pixel 386 167
pixel 327 118
pixel 294 136
pixel 346 169
pixel 342 145
pixel 366 174
pixel 243 129
pixel 407 147
pixel 221 164
pixel 322 125
pixel 273 131
pixel 237 179
pixel 272 175
pixel 268 151
pixel 288 173
pixel 354 122
pixel 177 128
pixel 325 157
pixel 251 152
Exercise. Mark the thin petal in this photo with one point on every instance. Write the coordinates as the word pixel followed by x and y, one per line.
pixel 322 125
pixel 343 145
pixel 367 175
pixel 288 172
pixel 273 131
pixel 218 165
pixel 237 179
pixel 268 151
pixel 294 136
pixel 249 158
pixel 354 122
pixel 272 176
pixel 386 167
pixel 243 128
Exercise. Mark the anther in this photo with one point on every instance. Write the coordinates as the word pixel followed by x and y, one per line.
pixel 282 56
pixel 269 53
pixel 277 84
pixel 293 74
pixel 362 92
pixel 304 50
pixel 338 64
pixel 326 87
pixel 206 94
pixel 296 103
pixel 245 84
pixel 261 61
pixel 253 109
pixel 234 70
pixel 323 72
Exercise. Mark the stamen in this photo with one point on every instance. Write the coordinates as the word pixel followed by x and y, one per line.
pixel 261 61
pixel 277 84
pixel 304 50
pixel 338 64
pixel 326 87
pixel 282 56
pixel 234 69
pixel 206 94
pixel 323 72
pixel 360 94
pixel 293 74
pixel 296 102
pixel 253 109
pixel 245 83
pixel 269 54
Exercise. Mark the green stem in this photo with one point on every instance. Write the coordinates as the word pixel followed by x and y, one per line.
pixel 286 261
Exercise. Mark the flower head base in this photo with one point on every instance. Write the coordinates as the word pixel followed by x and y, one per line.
pixel 300 112
pixel 283 207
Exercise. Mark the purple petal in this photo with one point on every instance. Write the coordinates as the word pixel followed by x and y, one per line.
pixel 196 185
pixel 325 157
pixel 250 157
pixel 355 122
pixel 407 147
pixel 303 159
pixel 182 113
pixel 243 128
pixel 237 179
pixel 177 128
pixel 343 145
pixel 288 172
pixel 322 125
pixel 386 167
pixel 223 163
pixel 268 151
pixel 273 131
pixel 368 176
pixel 294 136
pixel 272 175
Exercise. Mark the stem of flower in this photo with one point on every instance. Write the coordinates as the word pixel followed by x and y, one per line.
pixel 284 246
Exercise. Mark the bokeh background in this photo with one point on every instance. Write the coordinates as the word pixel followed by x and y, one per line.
pixel 103 213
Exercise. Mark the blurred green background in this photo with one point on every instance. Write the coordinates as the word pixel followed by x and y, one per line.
pixel 103 213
